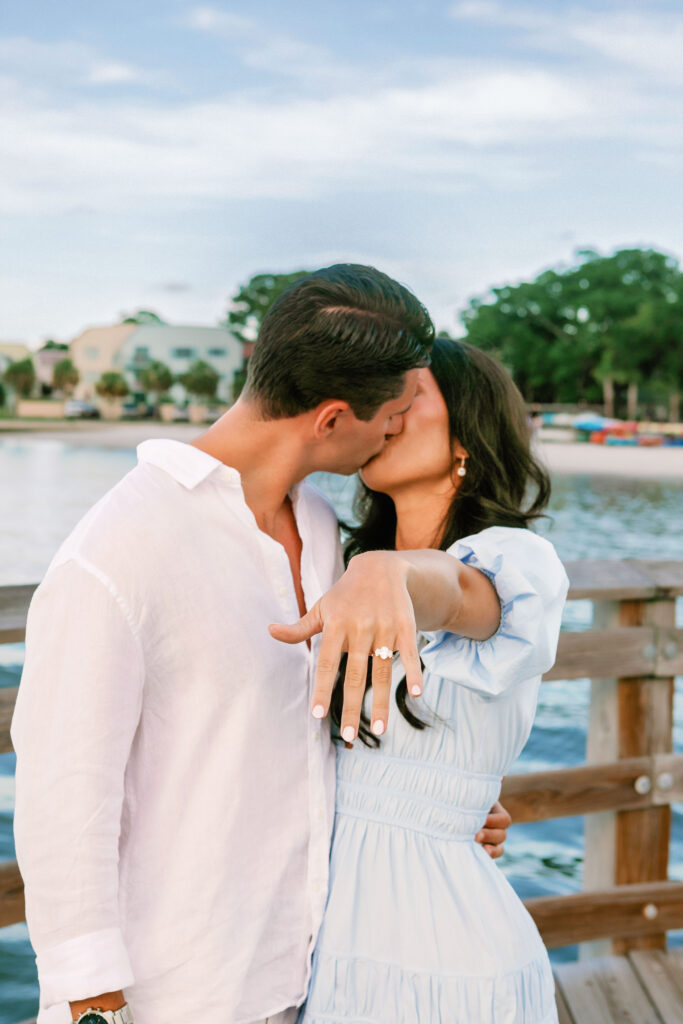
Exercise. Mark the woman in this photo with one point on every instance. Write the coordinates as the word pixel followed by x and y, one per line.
pixel 420 925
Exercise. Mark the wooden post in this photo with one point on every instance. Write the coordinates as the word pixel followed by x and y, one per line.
pixel 629 717
pixel 645 727
pixel 602 745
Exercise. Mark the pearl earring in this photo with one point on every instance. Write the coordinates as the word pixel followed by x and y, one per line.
pixel 461 471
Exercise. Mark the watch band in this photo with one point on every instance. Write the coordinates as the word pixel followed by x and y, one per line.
pixel 94 1016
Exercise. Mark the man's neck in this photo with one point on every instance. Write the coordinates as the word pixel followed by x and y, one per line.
pixel 268 454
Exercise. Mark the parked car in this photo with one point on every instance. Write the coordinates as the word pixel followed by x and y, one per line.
pixel 76 409
pixel 136 409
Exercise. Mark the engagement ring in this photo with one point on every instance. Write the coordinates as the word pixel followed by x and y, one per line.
pixel 383 653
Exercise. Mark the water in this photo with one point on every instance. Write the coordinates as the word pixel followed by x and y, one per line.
pixel 46 487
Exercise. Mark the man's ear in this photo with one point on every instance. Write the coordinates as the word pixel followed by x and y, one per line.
pixel 327 417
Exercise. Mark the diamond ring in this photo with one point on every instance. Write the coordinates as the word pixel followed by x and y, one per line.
pixel 383 653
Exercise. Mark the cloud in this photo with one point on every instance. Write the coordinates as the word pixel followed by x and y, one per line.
pixel 443 125
pixel 112 73
pixel 223 23
pixel 648 40
pixel 260 48
pixel 62 65
pixel 235 147
pixel 173 287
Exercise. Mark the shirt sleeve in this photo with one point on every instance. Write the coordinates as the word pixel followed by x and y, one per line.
pixel 75 718
pixel 532 587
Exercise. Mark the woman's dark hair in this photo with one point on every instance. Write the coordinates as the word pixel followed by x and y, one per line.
pixel 348 332
pixel 505 485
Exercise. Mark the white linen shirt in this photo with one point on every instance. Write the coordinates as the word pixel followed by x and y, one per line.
pixel 175 797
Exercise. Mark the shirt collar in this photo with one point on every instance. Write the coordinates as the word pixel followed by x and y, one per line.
pixel 185 463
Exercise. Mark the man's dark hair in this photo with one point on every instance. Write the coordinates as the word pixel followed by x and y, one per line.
pixel 347 332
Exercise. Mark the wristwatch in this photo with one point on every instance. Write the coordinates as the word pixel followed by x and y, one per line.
pixel 92 1016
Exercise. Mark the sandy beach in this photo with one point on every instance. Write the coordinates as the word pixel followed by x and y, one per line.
pixel 665 463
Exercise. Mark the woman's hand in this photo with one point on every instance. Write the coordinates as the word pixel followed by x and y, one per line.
pixel 369 609
pixel 494 833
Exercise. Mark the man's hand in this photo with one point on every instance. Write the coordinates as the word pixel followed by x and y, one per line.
pixel 494 833
pixel 369 608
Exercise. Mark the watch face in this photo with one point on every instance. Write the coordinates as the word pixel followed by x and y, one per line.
pixel 92 1018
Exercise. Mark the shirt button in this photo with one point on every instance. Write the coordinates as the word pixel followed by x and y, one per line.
pixel 283 591
pixel 316 887
pixel 318 815
pixel 316 736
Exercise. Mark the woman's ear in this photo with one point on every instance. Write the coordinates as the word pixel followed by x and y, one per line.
pixel 459 452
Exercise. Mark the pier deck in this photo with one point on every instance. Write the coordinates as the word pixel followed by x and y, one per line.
pixel 645 987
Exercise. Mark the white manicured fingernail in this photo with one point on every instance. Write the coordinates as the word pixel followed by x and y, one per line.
pixel 416 691
pixel 348 734
pixel 318 711
pixel 378 727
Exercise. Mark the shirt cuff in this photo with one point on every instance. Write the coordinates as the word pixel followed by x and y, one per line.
pixel 82 967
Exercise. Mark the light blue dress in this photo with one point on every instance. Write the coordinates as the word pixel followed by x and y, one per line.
pixel 421 926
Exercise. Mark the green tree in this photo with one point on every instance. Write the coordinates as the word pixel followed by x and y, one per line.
pixel 201 380
pixel 21 375
pixel 253 300
pixel 112 385
pixel 144 316
pixel 582 332
pixel 157 378
pixel 54 345
pixel 65 376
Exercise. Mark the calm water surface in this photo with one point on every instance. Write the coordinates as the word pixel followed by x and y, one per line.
pixel 45 487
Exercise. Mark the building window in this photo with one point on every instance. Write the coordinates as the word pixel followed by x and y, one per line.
pixel 141 356
pixel 218 352
pixel 92 353
pixel 183 353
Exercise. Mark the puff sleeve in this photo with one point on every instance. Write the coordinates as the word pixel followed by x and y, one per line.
pixel 532 587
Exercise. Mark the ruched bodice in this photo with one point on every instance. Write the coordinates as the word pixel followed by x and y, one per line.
pixel 421 926
pixel 447 803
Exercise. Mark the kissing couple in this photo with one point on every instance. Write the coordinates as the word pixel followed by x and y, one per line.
pixel 257 777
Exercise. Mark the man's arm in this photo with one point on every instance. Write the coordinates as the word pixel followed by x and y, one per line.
pixel 107 1001
pixel 77 711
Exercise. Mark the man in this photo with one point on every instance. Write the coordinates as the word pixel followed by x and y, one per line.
pixel 174 794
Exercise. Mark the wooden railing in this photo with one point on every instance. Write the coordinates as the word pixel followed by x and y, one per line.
pixel 625 789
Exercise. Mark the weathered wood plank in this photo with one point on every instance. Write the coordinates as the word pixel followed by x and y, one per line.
pixel 645 716
pixel 539 796
pixel 12 909
pixel 8 696
pixel 618 653
pixel 14 602
pixel 618 912
pixel 605 991
pixel 602 745
pixel 564 1015
pixel 661 975
pixel 625 579
pixel 598 653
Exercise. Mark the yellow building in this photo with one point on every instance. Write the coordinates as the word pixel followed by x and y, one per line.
pixel 12 352
pixel 96 351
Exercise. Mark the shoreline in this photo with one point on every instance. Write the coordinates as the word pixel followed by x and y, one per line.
pixel 561 458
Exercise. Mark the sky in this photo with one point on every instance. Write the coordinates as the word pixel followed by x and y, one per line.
pixel 158 154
